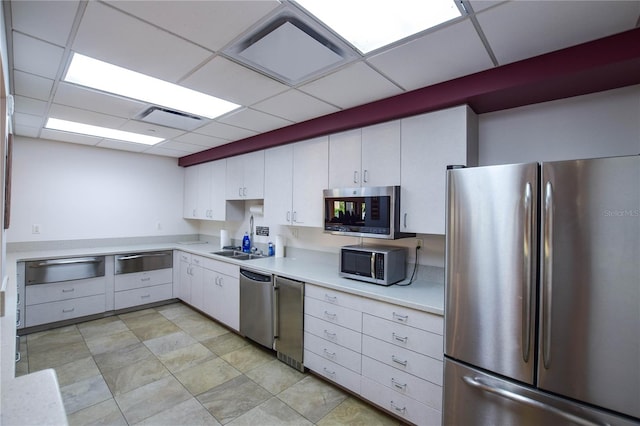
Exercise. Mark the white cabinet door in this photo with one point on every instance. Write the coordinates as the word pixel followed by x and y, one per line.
pixel 190 202
pixel 431 142
pixel 204 190
pixel 245 176
pixel 184 281
pixel 310 178
pixel 228 300
pixel 345 159
pixel 197 286
pixel 381 154
pixel 278 184
pixel 209 292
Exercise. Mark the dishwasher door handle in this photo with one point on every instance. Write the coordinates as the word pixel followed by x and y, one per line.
pixel 276 313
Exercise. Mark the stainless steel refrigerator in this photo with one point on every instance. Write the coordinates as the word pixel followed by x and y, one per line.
pixel 542 305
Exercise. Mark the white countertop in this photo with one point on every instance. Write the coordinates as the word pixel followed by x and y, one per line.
pixel 35 398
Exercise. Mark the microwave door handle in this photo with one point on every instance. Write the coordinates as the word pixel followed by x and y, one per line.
pixel 373 265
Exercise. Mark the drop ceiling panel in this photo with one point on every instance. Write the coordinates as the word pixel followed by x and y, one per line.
pixel 295 106
pixel 30 106
pixel 202 141
pixel 69 137
pixel 30 132
pixel 46 20
pixel 449 52
pixel 478 5
pixel 356 84
pixel 211 24
pixel 64 112
pixel 175 146
pixel 224 131
pixel 79 97
pixel 121 145
pixel 22 119
pixel 254 120
pixel 110 35
pixel 232 82
pixel 167 152
pixel 35 56
pixel 522 29
pixel 150 129
pixel 32 86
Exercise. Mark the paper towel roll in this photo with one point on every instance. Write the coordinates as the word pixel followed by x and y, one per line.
pixel 279 246
pixel 224 238
pixel 257 209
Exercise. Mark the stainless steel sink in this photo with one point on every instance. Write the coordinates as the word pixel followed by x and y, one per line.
pixel 238 255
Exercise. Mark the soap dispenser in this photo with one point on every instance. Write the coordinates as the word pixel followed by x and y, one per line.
pixel 246 243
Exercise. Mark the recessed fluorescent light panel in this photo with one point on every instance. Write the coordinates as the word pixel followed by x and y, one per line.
pixel 89 72
pixel 371 24
pixel 101 132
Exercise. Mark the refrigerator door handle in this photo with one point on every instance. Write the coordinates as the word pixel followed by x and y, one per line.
pixel 547 277
pixel 526 300
pixel 478 383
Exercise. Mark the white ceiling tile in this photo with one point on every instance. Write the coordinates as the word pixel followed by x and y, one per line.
pixel 27 131
pixel 224 131
pixel 254 120
pixel 150 129
pixel 166 152
pixel 79 97
pixel 29 120
pixel 184 148
pixel 69 137
pixel 295 106
pixel 354 85
pixel 211 24
pixel 48 20
pixel 112 36
pixel 449 52
pixel 32 86
pixel 64 112
pixel 232 82
pixel 30 106
pixel 35 56
pixel 196 139
pixel 479 5
pixel 522 29
pixel 124 146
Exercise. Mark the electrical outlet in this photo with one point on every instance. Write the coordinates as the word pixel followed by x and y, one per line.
pixel 158 226
pixel 35 228
pixel 294 232
pixel 419 243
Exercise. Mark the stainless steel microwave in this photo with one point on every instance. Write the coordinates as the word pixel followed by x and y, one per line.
pixel 372 212
pixel 372 263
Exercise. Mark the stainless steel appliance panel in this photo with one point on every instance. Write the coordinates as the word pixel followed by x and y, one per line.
pixel 491 268
pixel 57 270
pixel 289 320
pixel 256 307
pixel 139 262
pixel 472 397
pixel 590 282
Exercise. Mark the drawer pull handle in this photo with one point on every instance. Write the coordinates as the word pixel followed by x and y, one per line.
pixel 145 279
pixel 330 335
pixel 330 315
pixel 145 296
pixel 397 384
pixel 400 318
pixel 400 338
pixel 329 354
pixel 18 356
pixel 328 372
pixel 66 311
pixel 332 299
pixel 18 318
pixel 399 361
pixel 68 290
pixel 397 409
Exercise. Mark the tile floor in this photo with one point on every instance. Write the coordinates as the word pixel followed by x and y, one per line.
pixel 170 365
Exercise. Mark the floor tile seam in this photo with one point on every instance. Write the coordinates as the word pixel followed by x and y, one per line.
pixel 293 408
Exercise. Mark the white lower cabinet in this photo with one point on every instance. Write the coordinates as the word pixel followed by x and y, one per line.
pixel 390 355
pixel 140 288
pixel 221 292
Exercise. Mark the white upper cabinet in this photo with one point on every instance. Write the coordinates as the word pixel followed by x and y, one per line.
pixel 204 193
pixel 365 157
pixel 190 203
pixel 245 176
pixel 295 176
pixel 431 142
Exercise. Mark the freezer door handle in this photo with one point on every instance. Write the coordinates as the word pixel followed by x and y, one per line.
pixel 478 383
pixel 526 299
pixel 547 275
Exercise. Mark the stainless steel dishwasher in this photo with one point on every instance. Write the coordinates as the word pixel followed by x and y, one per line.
pixel 289 320
pixel 256 306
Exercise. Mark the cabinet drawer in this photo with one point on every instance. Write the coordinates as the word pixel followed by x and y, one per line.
pixel 332 352
pixel 141 296
pixel 65 309
pixel 332 371
pixel 404 360
pixel 184 257
pixel 143 279
pixel 398 334
pixel 403 383
pixel 43 293
pixel 402 406
pixel 335 297
pixel 333 333
pixel 221 267
pixel 333 313
pixel 406 316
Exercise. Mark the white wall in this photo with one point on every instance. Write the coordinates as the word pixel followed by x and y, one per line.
pixel 82 192
pixel 598 125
